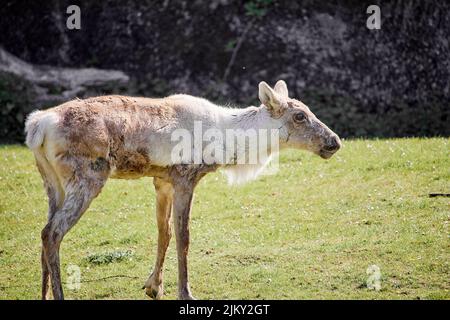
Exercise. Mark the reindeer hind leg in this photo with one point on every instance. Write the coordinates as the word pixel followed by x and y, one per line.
pixel 82 184
pixel 55 195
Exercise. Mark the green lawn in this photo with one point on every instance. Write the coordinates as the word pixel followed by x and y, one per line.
pixel 308 232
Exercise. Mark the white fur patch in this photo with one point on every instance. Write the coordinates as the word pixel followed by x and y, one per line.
pixel 242 173
pixel 36 126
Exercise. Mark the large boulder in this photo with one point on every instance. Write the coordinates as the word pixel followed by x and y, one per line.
pixel 25 87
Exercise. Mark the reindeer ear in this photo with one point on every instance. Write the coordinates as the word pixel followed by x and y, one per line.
pixel 269 97
pixel 281 88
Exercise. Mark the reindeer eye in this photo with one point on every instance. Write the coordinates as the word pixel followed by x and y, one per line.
pixel 299 117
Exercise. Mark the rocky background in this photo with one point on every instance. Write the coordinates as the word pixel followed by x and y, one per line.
pixel 363 83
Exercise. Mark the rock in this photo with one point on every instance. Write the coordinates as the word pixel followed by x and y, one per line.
pixel 54 85
pixel 379 83
pixel 25 87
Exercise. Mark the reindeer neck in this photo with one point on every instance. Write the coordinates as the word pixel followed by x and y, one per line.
pixel 250 118
pixel 257 120
pixel 245 121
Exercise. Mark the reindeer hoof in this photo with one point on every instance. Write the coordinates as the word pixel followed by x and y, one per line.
pixel 186 297
pixel 154 292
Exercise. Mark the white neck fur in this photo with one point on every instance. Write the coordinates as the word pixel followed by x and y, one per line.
pixel 254 119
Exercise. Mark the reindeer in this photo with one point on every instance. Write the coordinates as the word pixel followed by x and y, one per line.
pixel 78 145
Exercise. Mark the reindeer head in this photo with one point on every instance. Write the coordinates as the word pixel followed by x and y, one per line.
pixel 299 127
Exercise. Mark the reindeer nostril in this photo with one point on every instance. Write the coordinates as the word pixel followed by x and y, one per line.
pixel 333 144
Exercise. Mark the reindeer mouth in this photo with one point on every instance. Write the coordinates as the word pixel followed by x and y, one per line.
pixel 326 154
pixel 330 148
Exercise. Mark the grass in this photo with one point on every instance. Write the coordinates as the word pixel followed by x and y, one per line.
pixel 309 232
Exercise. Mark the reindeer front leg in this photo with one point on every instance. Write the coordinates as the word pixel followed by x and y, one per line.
pixel 164 198
pixel 183 195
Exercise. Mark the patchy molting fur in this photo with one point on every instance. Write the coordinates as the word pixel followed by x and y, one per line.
pixel 133 134
pixel 80 144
